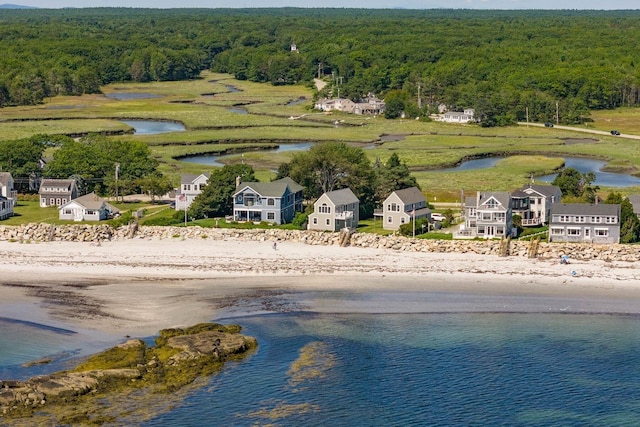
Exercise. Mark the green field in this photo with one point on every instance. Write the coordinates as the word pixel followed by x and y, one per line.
pixel 283 114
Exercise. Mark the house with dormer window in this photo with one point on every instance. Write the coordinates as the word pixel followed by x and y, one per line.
pixel 488 215
pixel 533 203
pixel 402 207
pixel 585 222
pixel 57 192
pixel 335 210
pixel 191 186
pixel 276 202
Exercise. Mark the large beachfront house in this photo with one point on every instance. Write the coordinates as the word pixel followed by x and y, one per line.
pixel 402 207
pixel 190 187
pixel 334 211
pixel 57 192
pixel 533 203
pixel 488 215
pixel 584 222
pixel 89 207
pixel 275 202
pixel 370 105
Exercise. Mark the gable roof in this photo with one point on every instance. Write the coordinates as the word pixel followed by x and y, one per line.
pixel 342 197
pixel 190 177
pixel 271 189
pixel 501 197
pixel 68 184
pixel 92 201
pixel 410 195
pixel 585 209
pixel 545 190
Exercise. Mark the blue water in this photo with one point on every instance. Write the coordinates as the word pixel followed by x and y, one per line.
pixel 430 370
pixel 423 369
pixel 214 160
pixel 604 179
pixel 152 127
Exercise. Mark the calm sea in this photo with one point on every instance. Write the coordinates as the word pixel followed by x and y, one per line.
pixel 446 369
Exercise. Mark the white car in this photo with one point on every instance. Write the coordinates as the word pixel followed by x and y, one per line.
pixel 437 217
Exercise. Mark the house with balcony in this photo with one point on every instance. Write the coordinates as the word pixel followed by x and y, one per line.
pixel 334 211
pixel 402 207
pixel 488 215
pixel 275 202
pixel 89 207
pixel 57 192
pixel 7 188
pixel 585 222
pixel 533 203
pixel 191 186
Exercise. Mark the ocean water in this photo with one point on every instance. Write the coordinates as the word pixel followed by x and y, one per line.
pixel 453 369
pixel 433 369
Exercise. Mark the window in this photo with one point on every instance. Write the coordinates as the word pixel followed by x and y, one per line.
pixel 596 219
pixel 402 220
pixel 271 202
pixel 328 222
pixel 271 215
pixel 580 218
pixel 68 211
pixel 601 232
pixel 565 218
pixel 486 216
pixel 557 231
pixel 500 216
pixel 491 204
pixel 389 219
pixel 52 201
pixel 91 212
pixel 324 209
pixel 573 231
pixel 315 221
pixel 394 207
pixel 611 220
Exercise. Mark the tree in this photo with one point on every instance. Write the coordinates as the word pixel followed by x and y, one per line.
pixel 393 175
pixel 21 157
pixel 332 166
pixel 573 183
pixel 216 199
pixel 629 222
pixel 154 185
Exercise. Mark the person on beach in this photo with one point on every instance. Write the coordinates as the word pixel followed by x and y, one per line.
pixel 275 246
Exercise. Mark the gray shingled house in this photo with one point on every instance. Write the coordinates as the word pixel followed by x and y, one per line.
pixel 275 202
pixel 487 215
pixel 402 207
pixel 533 203
pixel 584 222
pixel 57 192
pixel 335 210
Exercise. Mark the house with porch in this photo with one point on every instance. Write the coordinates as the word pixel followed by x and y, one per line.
pixel 6 208
pixel 465 116
pixel 585 222
pixel 191 186
pixel 275 202
pixel 533 203
pixel 402 207
pixel 7 188
pixel 488 215
pixel 334 211
pixel 57 192
pixel 89 207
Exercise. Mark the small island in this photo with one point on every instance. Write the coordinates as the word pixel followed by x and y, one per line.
pixel 101 389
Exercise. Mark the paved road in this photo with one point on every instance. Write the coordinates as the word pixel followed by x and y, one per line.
pixel 575 129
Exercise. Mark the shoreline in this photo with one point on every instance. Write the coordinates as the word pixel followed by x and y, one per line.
pixel 137 287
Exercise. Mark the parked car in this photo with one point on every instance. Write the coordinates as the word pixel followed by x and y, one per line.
pixel 437 217
pixel 548 125
pixel 615 132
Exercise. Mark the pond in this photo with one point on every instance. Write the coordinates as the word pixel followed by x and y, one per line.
pixel 237 110
pixel 153 127
pixel 603 179
pixel 214 160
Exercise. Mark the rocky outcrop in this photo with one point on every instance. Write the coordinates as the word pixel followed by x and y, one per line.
pixel 205 344
pixel 98 233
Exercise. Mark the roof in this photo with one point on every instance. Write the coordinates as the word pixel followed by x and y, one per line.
pixel 92 201
pixel 342 197
pixel 585 209
pixel 410 195
pixel 545 190
pixel 189 178
pixel 501 196
pixel 51 182
pixel 271 189
pixel 5 177
pixel 635 201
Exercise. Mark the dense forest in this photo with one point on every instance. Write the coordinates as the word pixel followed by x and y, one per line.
pixel 505 64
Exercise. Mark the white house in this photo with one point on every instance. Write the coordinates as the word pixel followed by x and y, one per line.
pixel 6 208
pixel 334 211
pixel 488 216
pixel 404 206
pixel 89 207
pixel 7 188
pixel 533 203
pixel 458 117
pixel 190 187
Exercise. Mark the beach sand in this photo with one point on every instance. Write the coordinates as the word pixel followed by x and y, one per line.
pixel 137 287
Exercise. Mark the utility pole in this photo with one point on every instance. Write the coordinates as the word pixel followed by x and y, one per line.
pixel 117 170
pixel 557 115
pixel 419 100
pixel 527 110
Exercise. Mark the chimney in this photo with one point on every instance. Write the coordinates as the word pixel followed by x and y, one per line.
pixel 237 181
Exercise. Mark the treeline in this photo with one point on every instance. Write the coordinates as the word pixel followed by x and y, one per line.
pixel 508 65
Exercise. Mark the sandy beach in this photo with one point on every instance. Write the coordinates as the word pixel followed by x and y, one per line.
pixel 136 287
